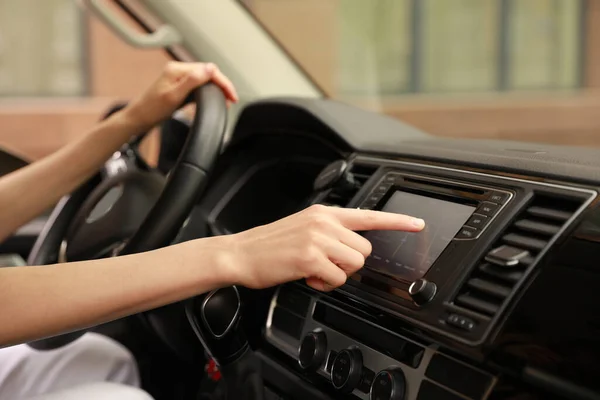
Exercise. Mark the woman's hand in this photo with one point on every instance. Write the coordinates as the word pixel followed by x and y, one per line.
pixel 318 244
pixel 169 91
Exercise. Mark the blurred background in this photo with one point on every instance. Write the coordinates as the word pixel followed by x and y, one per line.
pixel 511 69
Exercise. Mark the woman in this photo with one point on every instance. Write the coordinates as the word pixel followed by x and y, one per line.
pixel 318 244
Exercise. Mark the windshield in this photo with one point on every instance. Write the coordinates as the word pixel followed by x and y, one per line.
pixel 502 69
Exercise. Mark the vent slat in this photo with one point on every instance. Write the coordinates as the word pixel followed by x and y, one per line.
pixel 506 274
pixel 524 242
pixel 488 287
pixel 476 304
pixel 537 227
pixel 549 213
pixel 527 260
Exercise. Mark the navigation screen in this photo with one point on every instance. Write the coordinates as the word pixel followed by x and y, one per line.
pixel 407 256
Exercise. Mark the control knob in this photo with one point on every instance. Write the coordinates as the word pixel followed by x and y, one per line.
pixel 422 291
pixel 312 351
pixel 335 174
pixel 389 384
pixel 346 371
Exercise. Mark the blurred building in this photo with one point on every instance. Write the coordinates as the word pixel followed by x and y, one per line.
pixel 526 70
pixel 60 69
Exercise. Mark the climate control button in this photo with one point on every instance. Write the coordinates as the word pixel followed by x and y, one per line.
pixel 313 350
pixel 389 384
pixel 346 371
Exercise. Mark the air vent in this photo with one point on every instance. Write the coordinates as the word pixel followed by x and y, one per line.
pixel 340 195
pixel 493 280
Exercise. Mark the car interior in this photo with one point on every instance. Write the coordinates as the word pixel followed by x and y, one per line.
pixel 496 299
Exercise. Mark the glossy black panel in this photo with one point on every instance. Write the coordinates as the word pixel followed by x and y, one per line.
pixel 556 325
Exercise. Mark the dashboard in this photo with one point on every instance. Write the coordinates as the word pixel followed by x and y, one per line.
pixel 496 299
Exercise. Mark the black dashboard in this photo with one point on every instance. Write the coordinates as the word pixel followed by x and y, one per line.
pixel 496 299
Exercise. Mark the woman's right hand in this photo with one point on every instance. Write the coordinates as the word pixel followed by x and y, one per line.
pixel 318 244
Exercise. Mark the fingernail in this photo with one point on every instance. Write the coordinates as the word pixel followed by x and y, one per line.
pixel 419 223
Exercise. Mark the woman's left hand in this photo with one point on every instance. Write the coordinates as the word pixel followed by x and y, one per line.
pixel 169 91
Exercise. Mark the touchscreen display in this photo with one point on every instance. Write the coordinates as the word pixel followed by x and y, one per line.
pixel 407 256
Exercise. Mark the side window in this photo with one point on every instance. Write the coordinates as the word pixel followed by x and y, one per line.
pixel 41 48
pixel 60 70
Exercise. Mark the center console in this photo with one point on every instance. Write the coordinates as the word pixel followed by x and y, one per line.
pixel 418 320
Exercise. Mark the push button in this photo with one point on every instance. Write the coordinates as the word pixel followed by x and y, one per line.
pixel 460 322
pixel 382 188
pixel 478 221
pixel 488 209
pixel 390 179
pixel 330 359
pixel 499 197
pixel 366 380
pixel 374 197
pixel 467 233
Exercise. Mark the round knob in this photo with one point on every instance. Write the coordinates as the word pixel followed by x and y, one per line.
pixel 313 351
pixel 389 384
pixel 422 291
pixel 335 174
pixel 346 371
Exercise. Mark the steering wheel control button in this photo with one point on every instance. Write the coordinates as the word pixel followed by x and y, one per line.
pixel 313 351
pixel 488 209
pixel 506 256
pixel 422 291
pixel 389 384
pixel 467 232
pixel 460 322
pixel 478 221
pixel 346 371
pixel 499 197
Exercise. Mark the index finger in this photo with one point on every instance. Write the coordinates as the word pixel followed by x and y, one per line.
pixel 369 220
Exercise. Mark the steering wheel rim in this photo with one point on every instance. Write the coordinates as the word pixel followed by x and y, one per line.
pixel 184 186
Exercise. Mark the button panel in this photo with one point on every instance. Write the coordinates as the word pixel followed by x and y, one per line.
pixel 460 322
pixel 354 367
pixel 489 203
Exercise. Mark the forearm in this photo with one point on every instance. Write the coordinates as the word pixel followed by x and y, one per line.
pixel 26 193
pixel 38 302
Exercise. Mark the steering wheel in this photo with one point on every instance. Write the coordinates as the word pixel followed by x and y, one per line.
pixel 135 209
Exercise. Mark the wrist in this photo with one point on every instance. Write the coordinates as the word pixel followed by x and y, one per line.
pixel 215 258
pixel 133 118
